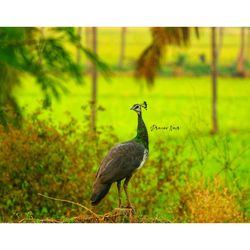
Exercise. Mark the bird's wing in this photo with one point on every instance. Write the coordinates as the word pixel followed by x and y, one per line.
pixel 120 162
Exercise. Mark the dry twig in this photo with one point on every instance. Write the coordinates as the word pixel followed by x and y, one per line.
pixel 97 218
pixel 72 202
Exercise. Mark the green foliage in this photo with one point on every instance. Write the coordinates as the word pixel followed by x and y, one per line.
pixel 26 51
pixel 181 60
pixel 39 159
pixel 170 171
pixel 182 66
pixel 62 161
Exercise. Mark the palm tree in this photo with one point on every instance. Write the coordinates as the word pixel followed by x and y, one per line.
pixel 214 81
pixel 150 59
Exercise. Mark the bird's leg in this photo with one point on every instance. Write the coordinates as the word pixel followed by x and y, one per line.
pixel 125 186
pixel 119 193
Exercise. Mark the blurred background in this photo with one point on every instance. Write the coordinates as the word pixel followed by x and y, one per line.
pixel 65 99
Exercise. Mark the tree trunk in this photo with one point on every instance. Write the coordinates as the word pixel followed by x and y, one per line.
pixel 88 36
pixel 123 45
pixel 241 58
pixel 78 51
pixel 220 42
pixel 214 81
pixel 248 44
pixel 94 82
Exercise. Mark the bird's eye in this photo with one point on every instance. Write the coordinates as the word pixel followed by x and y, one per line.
pixel 136 107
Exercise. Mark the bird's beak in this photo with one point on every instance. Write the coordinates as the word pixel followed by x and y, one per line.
pixel 132 108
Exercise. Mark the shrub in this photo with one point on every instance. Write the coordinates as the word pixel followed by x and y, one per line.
pixel 209 202
pixel 39 159
pixel 62 161
pixel 155 190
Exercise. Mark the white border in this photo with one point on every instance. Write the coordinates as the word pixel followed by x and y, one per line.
pixel 125 13
pixel 125 236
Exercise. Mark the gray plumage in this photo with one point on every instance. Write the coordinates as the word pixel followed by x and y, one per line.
pixel 121 162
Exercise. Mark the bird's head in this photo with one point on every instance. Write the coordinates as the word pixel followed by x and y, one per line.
pixel 137 107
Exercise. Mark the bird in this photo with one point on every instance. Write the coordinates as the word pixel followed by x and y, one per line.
pixel 121 162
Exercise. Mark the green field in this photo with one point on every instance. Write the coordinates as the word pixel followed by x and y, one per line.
pixel 172 101
pixel 183 102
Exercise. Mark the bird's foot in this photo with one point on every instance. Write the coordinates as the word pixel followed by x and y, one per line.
pixel 130 207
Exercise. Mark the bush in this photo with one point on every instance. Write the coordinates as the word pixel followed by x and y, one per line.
pixel 209 202
pixel 39 159
pixel 62 161
pixel 155 190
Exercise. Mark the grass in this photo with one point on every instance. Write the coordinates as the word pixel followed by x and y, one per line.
pixel 183 102
pixel 173 101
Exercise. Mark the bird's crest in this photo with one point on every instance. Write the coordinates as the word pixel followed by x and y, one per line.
pixel 144 105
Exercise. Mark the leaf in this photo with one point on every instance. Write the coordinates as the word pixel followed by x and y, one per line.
pixel 24 51
pixel 149 61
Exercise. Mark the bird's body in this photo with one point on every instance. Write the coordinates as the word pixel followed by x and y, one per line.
pixel 121 162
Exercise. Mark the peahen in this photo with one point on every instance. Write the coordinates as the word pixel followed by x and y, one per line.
pixel 122 161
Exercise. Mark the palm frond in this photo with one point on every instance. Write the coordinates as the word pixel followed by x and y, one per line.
pixel 149 61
